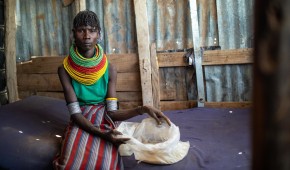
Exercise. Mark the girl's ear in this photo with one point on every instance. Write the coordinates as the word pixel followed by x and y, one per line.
pixel 100 38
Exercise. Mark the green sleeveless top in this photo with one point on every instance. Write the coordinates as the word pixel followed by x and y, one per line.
pixel 92 94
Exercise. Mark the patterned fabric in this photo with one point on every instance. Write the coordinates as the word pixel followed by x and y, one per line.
pixel 86 70
pixel 81 150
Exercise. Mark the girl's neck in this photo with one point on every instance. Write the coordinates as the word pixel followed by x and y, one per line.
pixel 87 54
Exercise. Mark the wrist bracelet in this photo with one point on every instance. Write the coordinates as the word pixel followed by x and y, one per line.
pixel 74 108
pixel 112 104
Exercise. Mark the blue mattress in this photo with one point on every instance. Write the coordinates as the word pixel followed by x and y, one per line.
pixel 220 139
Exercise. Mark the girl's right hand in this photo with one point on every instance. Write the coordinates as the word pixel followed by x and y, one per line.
pixel 111 136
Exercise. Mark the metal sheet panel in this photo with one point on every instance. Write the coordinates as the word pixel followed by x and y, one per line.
pixel 232 82
pixel 44 28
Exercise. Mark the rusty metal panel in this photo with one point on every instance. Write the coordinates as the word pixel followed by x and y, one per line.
pixel 170 24
pixel 208 23
pixel 43 28
pixel 233 82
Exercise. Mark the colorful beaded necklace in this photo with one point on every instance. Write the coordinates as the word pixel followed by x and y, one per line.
pixel 86 70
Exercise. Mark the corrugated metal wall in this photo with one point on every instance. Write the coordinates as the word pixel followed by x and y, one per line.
pixel 233 82
pixel 44 27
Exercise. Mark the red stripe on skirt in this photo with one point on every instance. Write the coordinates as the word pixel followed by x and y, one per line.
pixel 87 152
pixel 113 159
pixel 100 154
pixel 74 149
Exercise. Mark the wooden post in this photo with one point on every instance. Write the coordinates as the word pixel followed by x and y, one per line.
pixel 10 50
pixel 67 2
pixel 197 53
pixel 80 5
pixel 271 118
pixel 144 50
pixel 155 77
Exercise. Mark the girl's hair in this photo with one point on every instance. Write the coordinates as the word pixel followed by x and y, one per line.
pixel 87 18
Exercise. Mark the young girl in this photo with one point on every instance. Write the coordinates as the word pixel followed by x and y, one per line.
pixel 89 84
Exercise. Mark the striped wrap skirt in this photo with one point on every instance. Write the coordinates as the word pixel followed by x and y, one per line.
pixel 81 150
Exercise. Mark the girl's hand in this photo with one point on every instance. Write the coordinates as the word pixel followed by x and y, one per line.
pixel 155 113
pixel 111 136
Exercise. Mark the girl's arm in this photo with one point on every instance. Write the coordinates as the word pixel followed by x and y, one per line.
pixel 120 115
pixel 78 118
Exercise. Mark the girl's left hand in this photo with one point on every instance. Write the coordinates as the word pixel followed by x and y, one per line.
pixel 155 113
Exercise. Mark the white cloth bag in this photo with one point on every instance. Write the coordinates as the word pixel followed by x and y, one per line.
pixel 153 143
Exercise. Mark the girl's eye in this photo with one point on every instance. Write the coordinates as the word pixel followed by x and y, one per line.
pixel 93 30
pixel 80 30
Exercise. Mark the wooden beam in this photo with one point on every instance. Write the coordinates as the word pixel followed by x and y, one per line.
pixel 67 2
pixel 125 62
pixel 222 57
pixel 128 82
pixel 127 96
pixel 129 105
pixel 143 50
pixel 50 82
pixel 40 65
pixel 197 52
pixel 165 105
pixel 228 104
pixel 49 64
pixel 175 59
pixel 10 50
pixel 155 77
pixel 122 96
pixel 39 82
pixel 177 105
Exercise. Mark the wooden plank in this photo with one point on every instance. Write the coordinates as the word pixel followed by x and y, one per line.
pixel 181 89
pixel 49 64
pixel 167 94
pixel 127 96
pixel 129 105
pixel 67 2
pixel 178 105
pixel 155 77
pixel 175 59
pixel 128 82
pixel 23 94
pixel 222 57
pixel 228 104
pixel 58 95
pixel 50 82
pixel 10 50
pixel 39 82
pixel 41 64
pixel 165 105
pixel 122 96
pixel 125 62
pixel 197 52
pixel 142 29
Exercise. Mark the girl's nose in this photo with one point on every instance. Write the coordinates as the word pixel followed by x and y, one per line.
pixel 86 34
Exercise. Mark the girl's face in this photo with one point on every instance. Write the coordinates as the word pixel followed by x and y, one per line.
pixel 85 38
